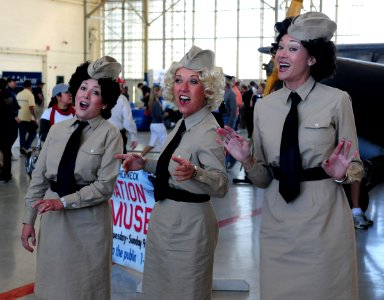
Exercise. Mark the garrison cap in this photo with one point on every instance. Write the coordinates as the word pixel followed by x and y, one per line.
pixel 197 59
pixel 312 25
pixel 104 67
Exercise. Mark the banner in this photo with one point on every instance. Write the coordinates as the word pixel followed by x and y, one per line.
pixel 23 76
pixel 132 204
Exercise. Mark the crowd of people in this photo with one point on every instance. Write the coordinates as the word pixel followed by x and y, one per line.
pixel 27 117
pixel 23 115
pixel 300 146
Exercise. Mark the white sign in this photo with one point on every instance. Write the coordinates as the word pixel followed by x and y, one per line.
pixel 132 204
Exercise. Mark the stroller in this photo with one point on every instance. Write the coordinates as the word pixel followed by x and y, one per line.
pixel 31 159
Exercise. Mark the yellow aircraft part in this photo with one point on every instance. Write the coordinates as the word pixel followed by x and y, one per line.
pixel 271 80
pixel 294 10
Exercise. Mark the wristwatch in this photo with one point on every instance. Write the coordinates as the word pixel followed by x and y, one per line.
pixel 342 180
pixel 195 172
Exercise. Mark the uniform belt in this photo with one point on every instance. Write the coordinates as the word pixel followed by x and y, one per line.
pixel 185 196
pixel 54 184
pixel 310 174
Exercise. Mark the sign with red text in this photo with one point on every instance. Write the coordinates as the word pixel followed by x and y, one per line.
pixel 132 204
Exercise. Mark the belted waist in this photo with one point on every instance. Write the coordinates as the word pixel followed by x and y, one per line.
pixel 311 174
pixel 185 196
pixel 54 188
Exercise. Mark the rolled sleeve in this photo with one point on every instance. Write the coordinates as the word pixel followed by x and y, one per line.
pixel 211 177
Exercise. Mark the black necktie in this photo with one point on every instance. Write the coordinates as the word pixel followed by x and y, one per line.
pixel 65 174
pixel 162 173
pixel 290 159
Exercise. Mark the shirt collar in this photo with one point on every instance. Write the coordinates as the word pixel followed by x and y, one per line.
pixel 195 118
pixel 94 122
pixel 303 90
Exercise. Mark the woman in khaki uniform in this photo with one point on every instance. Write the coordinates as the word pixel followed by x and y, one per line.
pixel 75 236
pixel 307 243
pixel 183 229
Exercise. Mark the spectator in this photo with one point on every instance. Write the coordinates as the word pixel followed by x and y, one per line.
pixel 122 118
pixel 39 99
pixel 146 92
pixel 248 109
pixel 232 114
pixel 59 109
pixel 8 124
pixel 28 122
pixel 157 127
pixel 13 129
pixel 239 100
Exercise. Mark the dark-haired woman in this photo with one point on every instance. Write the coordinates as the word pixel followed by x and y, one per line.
pixel 75 236
pixel 307 239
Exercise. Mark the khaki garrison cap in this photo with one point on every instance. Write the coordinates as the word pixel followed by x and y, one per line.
pixel 104 67
pixel 198 59
pixel 312 25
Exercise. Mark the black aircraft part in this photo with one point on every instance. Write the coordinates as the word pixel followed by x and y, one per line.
pixel 364 82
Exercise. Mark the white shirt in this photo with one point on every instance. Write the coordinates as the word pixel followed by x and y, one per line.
pixel 58 116
pixel 122 117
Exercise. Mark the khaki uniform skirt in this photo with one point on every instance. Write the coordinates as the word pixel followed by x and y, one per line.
pixel 307 247
pixel 179 251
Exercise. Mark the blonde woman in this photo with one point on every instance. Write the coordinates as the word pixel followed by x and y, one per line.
pixel 183 229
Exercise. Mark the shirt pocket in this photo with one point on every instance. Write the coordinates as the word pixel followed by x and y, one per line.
pixel 319 132
pixel 89 161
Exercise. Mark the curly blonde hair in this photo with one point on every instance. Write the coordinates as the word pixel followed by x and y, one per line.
pixel 212 80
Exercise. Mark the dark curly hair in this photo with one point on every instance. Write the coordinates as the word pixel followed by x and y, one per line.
pixel 324 51
pixel 110 89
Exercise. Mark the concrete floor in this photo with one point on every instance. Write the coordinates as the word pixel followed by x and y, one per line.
pixel 236 257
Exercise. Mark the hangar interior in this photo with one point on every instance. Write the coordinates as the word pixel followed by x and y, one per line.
pixel 52 37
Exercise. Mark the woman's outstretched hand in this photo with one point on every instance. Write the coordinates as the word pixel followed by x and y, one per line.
pixel 132 161
pixel 238 146
pixel 337 164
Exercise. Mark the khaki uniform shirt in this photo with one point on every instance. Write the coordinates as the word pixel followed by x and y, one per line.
pixel 199 146
pixel 95 165
pixel 325 117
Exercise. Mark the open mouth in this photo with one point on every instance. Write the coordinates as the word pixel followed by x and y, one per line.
pixel 184 99
pixel 283 66
pixel 84 104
